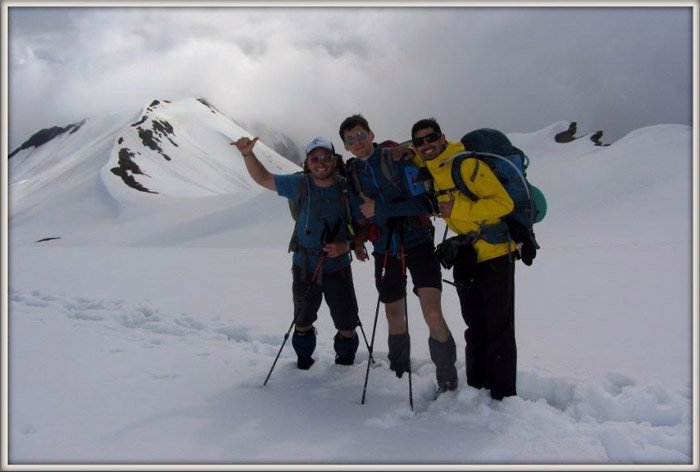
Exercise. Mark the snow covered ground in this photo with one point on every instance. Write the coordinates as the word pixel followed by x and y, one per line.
pixel 144 334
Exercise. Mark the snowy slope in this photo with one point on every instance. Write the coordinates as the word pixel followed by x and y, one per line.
pixel 117 181
pixel 582 178
pixel 143 335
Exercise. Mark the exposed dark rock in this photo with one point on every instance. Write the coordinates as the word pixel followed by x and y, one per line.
pixel 155 103
pixel 162 127
pixel 207 104
pixel 143 118
pixel 47 239
pixel 45 135
pixel 148 140
pixel 597 137
pixel 126 162
pixel 127 167
pixel 121 140
pixel 568 135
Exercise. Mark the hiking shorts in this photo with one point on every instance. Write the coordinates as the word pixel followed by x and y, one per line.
pixel 420 262
pixel 338 290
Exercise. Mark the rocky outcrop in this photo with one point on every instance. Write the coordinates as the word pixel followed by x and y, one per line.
pixel 570 135
pixel 597 138
pixel 207 104
pixel 127 167
pixel 151 137
pixel 46 135
pixel 50 238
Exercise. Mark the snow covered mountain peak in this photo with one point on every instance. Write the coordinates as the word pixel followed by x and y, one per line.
pixel 182 149
pixel 117 166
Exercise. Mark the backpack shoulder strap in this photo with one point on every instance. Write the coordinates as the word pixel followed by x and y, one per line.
pixel 351 170
pixel 388 169
pixel 303 192
pixel 457 175
pixel 343 187
pixel 295 206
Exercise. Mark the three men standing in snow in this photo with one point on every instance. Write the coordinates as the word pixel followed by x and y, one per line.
pixel 397 222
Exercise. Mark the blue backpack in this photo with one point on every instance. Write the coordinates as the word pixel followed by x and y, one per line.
pixel 509 164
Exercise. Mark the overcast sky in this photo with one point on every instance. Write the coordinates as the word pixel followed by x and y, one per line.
pixel 303 70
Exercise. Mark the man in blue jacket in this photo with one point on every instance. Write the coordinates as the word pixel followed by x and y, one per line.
pixel 402 235
pixel 321 244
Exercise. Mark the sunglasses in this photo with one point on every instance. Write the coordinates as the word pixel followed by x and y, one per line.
pixel 431 138
pixel 325 158
pixel 359 136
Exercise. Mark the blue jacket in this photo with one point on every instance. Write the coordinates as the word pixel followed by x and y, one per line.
pixel 393 204
pixel 321 212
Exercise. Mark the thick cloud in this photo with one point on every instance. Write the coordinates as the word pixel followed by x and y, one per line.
pixel 303 70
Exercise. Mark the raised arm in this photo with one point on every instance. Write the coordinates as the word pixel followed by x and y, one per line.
pixel 257 171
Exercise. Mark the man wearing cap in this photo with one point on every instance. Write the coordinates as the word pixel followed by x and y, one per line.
pixel 321 243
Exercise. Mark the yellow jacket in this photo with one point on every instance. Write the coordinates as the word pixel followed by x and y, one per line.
pixel 468 216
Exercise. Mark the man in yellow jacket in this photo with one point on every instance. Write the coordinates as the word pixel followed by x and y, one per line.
pixel 483 272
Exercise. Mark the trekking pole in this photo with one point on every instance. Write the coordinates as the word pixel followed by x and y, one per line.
pixel 376 311
pixel 300 307
pixel 286 336
pixel 374 328
pixel 362 330
pixel 405 307
pixel 364 336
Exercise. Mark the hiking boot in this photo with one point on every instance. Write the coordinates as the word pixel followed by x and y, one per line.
pixel 345 349
pixel 340 360
pixel 304 343
pixel 400 353
pixel 305 363
pixel 445 387
pixel 444 356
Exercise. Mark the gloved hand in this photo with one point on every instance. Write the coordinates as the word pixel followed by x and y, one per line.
pixel 520 234
pixel 528 251
pixel 431 204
